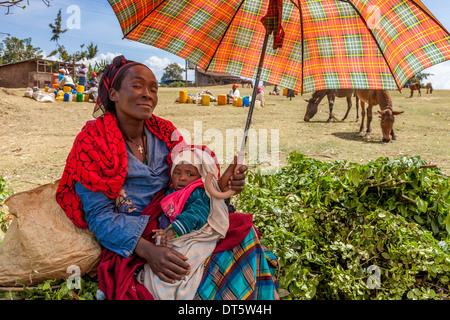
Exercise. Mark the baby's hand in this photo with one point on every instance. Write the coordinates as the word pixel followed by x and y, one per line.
pixel 165 234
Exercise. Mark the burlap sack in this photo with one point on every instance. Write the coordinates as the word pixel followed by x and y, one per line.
pixel 42 243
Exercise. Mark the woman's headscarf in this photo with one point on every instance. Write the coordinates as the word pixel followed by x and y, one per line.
pixel 110 75
pixel 235 86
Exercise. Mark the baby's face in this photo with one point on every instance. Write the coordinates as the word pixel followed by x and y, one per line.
pixel 184 174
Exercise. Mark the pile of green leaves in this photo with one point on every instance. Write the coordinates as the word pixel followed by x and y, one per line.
pixel 4 218
pixel 348 231
pixel 86 289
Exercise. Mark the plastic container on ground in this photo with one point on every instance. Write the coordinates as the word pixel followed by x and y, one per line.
pixel 245 101
pixel 54 79
pixel 183 96
pixel 205 99
pixel 221 99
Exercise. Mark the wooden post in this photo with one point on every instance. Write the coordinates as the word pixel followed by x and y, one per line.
pixel 196 74
pixel 186 69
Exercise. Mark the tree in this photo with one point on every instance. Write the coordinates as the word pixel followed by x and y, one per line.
pixel 72 58
pixel 56 29
pixel 13 49
pixel 419 77
pixel 19 4
pixel 172 72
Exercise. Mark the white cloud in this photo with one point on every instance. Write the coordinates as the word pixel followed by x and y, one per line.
pixel 157 65
pixel 46 56
pixel 109 56
pixel 441 75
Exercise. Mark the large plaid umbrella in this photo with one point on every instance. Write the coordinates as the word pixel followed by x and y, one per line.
pixel 328 44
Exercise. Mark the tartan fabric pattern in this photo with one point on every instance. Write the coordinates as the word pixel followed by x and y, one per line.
pixel 245 273
pixel 327 44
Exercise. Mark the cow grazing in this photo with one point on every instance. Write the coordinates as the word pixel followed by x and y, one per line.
pixel 317 96
pixel 383 99
pixel 415 86
pixel 244 82
pixel 429 87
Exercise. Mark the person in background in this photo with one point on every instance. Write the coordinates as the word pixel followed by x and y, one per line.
pixel 276 91
pixel 92 88
pixel 290 94
pixel 233 94
pixel 260 97
pixel 67 81
pixel 93 81
pixel 62 73
pixel 82 77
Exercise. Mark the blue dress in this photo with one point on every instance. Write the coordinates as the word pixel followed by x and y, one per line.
pixel 117 223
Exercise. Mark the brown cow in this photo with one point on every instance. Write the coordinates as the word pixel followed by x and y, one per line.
pixel 317 96
pixel 415 86
pixel 244 82
pixel 429 87
pixel 383 99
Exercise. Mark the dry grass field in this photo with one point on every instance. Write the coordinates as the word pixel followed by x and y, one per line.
pixel 36 137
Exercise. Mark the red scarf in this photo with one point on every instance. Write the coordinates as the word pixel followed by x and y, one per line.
pixel 98 160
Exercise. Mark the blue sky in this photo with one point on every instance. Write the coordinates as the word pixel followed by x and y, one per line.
pixel 99 25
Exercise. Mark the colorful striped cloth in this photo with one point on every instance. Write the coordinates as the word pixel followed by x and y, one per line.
pixel 245 273
pixel 82 81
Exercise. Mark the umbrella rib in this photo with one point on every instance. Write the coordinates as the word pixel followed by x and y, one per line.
pixel 137 24
pixel 378 45
pixel 226 30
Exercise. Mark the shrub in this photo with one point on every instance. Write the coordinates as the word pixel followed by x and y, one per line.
pixel 177 84
pixel 348 231
pixel 5 219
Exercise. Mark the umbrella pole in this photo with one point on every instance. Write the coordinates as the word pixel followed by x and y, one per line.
pixel 252 103
pixel 241 153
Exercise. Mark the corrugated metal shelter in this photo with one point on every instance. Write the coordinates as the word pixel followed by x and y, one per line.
pixel 205 78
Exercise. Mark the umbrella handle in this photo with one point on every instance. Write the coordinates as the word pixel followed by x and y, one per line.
pixel 218 194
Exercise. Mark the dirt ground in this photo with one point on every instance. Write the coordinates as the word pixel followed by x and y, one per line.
pixel 37 137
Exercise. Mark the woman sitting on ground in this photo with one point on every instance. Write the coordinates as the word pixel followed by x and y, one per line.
pixel 123 157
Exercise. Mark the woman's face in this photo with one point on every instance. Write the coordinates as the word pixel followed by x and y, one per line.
pixel 138 94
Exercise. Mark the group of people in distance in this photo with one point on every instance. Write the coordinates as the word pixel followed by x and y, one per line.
pixel 91 88
pixel 235 94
